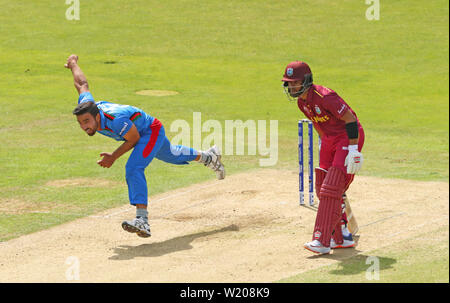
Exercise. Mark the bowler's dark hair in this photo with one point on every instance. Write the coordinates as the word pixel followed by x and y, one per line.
pixel 86 107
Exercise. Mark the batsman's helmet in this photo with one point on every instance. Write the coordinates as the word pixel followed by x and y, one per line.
pixel 297 71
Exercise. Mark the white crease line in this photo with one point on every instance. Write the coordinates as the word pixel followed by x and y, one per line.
pixel 113 214
pixel 178 210
pixel 125 210
pixel 161 199
pixel 61 214
pixel 384 219
pixel 417 226
pixel 188 191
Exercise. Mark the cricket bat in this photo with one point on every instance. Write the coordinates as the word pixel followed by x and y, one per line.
pixel 352 224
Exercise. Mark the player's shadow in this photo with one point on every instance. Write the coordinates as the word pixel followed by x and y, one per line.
pixel 157 249
pixel 362 263
pixel 352 262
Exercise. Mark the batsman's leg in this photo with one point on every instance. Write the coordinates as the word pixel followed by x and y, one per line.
pixel 320 176
pixel 329 212
pixel 342 238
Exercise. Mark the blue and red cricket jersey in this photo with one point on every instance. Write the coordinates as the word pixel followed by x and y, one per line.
pixel 116 120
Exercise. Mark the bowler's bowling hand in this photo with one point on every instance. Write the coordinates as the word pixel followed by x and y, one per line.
pixel 107 160
pixel 354 160
pixel 72 60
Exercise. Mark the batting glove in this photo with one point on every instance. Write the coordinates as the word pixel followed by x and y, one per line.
pixel 354 160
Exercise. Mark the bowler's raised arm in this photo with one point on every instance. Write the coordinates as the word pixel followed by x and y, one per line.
pixel 79 78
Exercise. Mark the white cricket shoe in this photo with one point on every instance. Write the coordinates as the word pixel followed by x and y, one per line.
pixel 138 226
pixel 348 242
pixel 317 247
pixel 213 162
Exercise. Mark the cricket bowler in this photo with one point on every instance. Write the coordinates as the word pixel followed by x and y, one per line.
pixel 141 133
pixel 342 138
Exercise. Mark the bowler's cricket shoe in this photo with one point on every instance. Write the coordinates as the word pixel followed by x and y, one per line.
pixel 317 247
pixel 138 226
pixel 348 242
pixel 214 162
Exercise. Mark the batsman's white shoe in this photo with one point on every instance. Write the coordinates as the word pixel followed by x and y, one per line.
pixel 317 247
pixel 348 242
pixel 214 162
pixel 138 226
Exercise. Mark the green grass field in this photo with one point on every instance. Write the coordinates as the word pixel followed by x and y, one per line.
pixel 226 59
pixel 400 263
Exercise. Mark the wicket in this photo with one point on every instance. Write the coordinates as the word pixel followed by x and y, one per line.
pixel 310 161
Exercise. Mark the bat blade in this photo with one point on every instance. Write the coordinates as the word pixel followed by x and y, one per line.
pixel 352 224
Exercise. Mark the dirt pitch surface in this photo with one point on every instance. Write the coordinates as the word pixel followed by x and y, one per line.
pixel 246 228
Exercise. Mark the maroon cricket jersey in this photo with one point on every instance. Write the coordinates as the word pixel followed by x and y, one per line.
pixel 324 108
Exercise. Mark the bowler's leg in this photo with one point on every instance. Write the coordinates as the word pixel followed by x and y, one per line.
pixel 143 153
pixel 179 154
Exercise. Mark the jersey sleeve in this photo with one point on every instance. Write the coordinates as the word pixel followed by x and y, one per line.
pixel 121 126
pixel 335 105
pixel 85 97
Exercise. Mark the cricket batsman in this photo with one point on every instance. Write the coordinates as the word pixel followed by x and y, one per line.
pixel 139 132
pixel 342 138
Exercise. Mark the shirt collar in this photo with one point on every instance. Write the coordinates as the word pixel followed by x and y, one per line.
pixel 309 97
pixel 102 120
